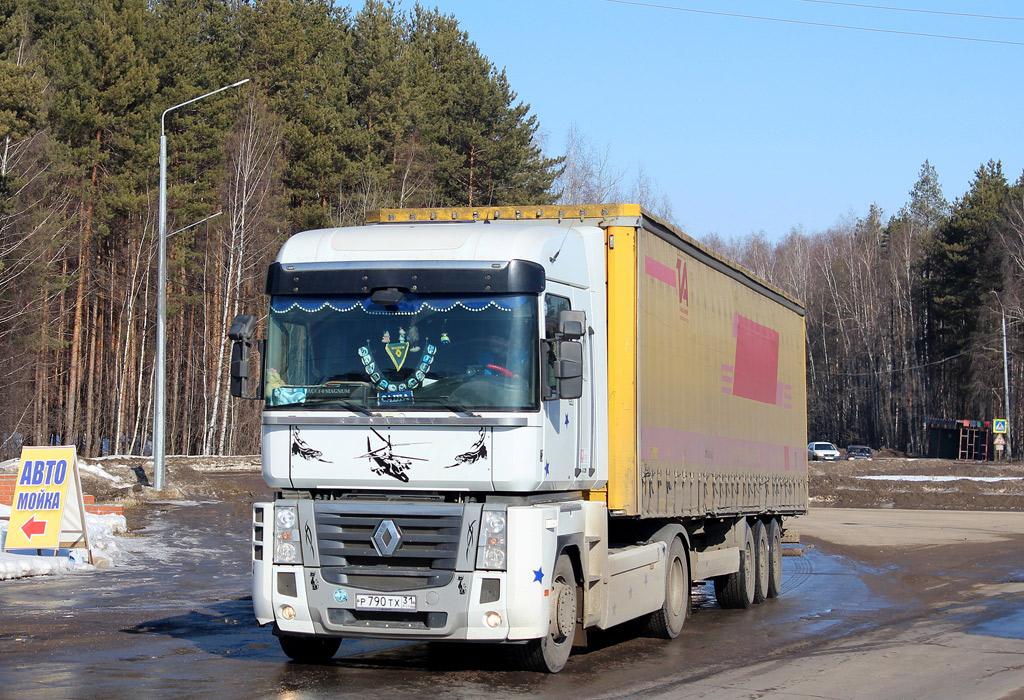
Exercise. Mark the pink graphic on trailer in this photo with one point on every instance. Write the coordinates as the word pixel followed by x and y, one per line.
pixel 755 372
pixel 677 278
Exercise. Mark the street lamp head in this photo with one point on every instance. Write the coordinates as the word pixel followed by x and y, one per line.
pixel 243 81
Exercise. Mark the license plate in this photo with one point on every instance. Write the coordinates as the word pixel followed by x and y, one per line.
pixel 385 602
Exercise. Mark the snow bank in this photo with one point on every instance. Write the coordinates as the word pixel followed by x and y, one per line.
pixel 103 531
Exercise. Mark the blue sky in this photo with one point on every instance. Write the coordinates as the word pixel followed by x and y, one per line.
pixel 749 125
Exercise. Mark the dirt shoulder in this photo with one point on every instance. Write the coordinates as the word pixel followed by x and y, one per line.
pixel 129 480
pixel 942 484
pixel 899 529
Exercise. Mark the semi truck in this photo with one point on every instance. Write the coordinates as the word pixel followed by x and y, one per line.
pixel 517 425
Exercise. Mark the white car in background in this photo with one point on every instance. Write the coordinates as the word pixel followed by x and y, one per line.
pixel 822 451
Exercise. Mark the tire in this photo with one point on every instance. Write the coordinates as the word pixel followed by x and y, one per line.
pixel 774 558
pixel 309 650
pixel 736 591
pixel 762 554
pixel 550 653
pixel 667 622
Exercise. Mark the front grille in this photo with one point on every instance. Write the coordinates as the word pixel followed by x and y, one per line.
pixel 425 557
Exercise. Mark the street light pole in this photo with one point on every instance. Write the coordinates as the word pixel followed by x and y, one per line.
pixel 160 369
pixel 1006 378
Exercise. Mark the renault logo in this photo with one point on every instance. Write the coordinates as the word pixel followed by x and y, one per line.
pixel 387 538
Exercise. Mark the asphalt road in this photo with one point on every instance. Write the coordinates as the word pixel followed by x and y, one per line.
pixel 911 614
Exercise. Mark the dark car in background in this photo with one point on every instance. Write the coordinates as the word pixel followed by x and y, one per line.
pixel 859 452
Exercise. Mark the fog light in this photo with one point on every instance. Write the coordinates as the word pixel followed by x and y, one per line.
pixel 492 619
pixel 287 612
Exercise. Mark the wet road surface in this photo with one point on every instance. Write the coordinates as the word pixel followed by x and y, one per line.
pixel 174 619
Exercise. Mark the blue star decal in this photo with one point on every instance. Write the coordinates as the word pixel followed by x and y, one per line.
pixel 547 467
pixel 538 575
pixel 567 420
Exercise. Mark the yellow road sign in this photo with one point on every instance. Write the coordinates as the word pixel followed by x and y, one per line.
pixel 48 511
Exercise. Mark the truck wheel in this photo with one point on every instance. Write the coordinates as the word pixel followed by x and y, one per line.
pixel 549 653
pixel 761 557
pixel 309 650
pixel 774 558
pixel 737 590
pixel 668 622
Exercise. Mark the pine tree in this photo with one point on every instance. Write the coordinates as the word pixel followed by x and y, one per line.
pixel 297 51
pixel 102 96
pixel 964 268
pixel 380 96
pixel 482 142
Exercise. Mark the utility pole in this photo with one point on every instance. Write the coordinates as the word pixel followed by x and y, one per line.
pixel 160 369
pixel 1006 379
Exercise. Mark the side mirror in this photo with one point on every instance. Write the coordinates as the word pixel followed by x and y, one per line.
pixel 569 369
pixel 572 324
pixel 241 332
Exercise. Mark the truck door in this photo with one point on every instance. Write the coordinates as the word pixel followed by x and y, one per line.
pixel 561 427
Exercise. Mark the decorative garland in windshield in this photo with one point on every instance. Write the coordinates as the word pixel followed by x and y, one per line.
pixel 282 305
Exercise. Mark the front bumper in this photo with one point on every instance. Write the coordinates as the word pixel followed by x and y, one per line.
pixel 458 610
pixel 465 607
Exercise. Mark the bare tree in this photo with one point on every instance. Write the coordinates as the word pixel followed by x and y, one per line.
pixel 252 159
pixel 587 176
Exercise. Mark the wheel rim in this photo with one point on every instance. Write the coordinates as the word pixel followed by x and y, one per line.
pixel 564 619
pixel 676 586
pixel 776 566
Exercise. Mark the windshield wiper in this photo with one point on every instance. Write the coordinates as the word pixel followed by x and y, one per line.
pixel 354 407
pixel 453 407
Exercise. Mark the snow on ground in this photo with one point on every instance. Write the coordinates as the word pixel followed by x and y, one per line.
pixel 99 471
pixel 103 535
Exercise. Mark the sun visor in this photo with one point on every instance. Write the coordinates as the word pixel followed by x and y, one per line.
pixel 470 277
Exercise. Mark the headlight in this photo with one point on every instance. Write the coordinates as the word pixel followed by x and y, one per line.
pixel 286 536
pixel 491 552
pixel 285 518
pixel 286 553
pixel 493 558
pixel 494 521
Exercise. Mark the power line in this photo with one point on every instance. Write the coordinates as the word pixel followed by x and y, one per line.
pixel 813 24
pixel 909 9
pixel 897 370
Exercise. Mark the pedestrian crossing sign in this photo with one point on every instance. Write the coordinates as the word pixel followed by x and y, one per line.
pixel 999 425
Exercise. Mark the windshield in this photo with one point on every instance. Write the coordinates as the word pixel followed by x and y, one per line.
pixel 463 352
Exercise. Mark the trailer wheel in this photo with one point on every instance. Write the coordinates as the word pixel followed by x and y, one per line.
pixel 667 622
pixel 737 590
pixel 550 653
pixel 774 558
pixel 762 555
pixel 309 650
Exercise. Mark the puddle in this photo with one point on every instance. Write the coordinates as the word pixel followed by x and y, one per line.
pixel 1009 625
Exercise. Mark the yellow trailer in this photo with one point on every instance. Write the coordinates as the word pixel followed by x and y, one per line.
pixel 707 391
